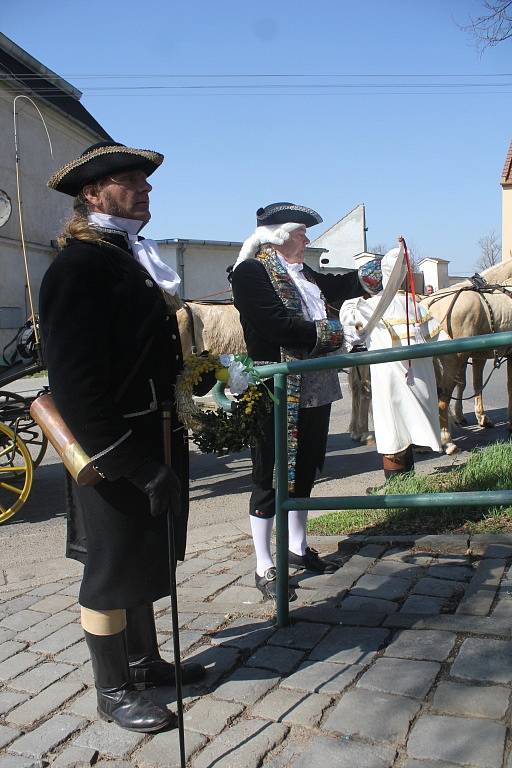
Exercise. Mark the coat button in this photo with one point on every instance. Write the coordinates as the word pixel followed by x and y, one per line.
pixel 173 337
pixel 149 283
pixel 177 357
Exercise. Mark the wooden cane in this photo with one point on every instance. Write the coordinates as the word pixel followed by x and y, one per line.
pixel 167 426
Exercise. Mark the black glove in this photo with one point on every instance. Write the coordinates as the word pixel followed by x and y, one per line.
pixel 161 485
pixel 207 382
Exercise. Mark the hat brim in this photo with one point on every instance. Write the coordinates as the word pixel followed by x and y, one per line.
pixel 102 162
pixel 287 213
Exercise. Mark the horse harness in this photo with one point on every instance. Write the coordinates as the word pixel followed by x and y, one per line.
pixel 479 285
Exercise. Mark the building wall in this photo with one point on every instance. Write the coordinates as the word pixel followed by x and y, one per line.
pixel 506 223
pixel 343 241
pixel 44 210
pixel 202 266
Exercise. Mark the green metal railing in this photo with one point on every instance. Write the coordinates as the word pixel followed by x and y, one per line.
pixel 283 503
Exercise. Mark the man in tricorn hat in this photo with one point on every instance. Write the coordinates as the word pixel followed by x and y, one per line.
pixel 112 348
pixel 283 311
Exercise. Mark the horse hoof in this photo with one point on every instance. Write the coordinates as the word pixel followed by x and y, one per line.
pixel 460 421
pixel 370 440
pixel 450 449
pixel 486 423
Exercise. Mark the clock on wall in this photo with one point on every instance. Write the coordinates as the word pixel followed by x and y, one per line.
pixel 5 207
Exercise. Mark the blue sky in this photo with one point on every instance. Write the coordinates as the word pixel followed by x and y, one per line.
pixel 426 161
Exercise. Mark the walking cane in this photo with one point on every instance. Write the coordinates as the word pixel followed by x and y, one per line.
pixel 166 426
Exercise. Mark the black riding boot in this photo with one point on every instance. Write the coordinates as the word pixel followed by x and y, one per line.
pixel 147 668
pixel 118 701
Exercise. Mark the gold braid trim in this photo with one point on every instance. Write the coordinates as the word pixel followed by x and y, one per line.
pixel 148 154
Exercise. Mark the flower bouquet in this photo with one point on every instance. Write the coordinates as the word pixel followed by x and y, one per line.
pixel 218 431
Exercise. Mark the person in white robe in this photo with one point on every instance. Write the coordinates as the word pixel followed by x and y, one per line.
pixel 404 392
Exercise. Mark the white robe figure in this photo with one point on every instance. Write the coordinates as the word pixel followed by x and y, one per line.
pixel 404 393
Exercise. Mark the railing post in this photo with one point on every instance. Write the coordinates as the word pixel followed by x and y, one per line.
pixel 281 482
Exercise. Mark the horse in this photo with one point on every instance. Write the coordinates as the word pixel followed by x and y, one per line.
pixel 210 326
pixel 216 327
pixel 471 308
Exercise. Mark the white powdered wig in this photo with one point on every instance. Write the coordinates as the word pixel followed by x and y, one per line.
pixel 274 235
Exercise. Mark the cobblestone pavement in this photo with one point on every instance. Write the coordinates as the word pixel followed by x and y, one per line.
pixel 402 657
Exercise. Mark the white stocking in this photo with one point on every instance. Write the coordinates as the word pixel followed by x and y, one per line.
pixel 261 528
pixel 297 520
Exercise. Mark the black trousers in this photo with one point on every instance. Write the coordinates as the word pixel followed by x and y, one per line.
pixel 313 429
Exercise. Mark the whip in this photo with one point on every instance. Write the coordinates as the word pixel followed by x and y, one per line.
pixel 166 427
pixel 20 205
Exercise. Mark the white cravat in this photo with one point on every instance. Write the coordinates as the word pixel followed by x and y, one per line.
pixel 309 292
pixel 145 251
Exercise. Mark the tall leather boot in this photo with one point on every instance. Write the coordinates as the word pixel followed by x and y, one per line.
pixel 147 668
pixel 118 700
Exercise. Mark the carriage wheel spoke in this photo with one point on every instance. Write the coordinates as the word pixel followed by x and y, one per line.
pixel 8 448
pixel 9 487
pixel 8 470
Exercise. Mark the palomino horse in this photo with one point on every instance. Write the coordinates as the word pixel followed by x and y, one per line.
pixel 216 327
pixel 469 309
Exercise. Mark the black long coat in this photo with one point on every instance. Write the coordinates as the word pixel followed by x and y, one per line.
pixel 267 323
pixel 113 352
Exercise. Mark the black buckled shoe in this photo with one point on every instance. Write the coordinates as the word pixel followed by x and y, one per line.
pixel 267 585
pixel 311 561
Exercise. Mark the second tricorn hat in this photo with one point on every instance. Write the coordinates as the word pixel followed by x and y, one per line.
pixel 286 213
pixel 101 160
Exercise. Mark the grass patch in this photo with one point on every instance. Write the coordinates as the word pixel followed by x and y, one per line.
pixel 487 469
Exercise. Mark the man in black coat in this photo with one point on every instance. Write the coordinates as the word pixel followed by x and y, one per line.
pixel 112 347
pixel 283 307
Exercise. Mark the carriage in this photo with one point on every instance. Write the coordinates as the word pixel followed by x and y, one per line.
pixel 22 444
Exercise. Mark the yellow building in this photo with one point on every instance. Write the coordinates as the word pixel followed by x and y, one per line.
pixel 506 222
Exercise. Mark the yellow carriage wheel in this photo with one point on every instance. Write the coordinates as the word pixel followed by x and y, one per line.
pixel 15 473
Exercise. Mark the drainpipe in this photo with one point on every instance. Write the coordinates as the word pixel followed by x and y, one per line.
pixel 180 262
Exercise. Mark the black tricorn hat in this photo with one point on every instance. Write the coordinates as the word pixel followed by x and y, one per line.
pixel 100 160
pixel 286 213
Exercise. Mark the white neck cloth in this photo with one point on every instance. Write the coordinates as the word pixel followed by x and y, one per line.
pixel 309 292
pixel 145 251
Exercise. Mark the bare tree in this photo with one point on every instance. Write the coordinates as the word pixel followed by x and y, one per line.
pixel 490 251
pixel 379 249
pixel 414 256
pixel 494 25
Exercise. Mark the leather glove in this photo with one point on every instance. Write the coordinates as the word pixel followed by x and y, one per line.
pixel 207 382
pixel 161 485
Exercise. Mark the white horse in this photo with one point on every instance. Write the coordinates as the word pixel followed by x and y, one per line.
pixel 216 327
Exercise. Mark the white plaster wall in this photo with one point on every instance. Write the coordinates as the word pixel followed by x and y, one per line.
pixel 204 266
pixel 343 241
pixel 430 274
pixel 506 223
pixel 44 210
pixel 205 270
pixel 13 291
pixel 435 273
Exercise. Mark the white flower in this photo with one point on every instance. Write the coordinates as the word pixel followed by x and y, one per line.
pixel 225 360
pixel 239 379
